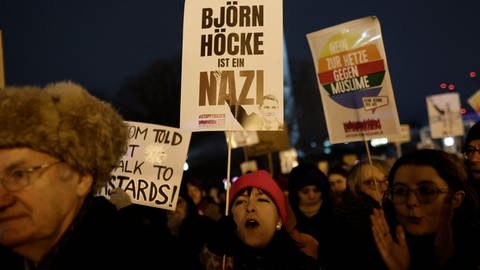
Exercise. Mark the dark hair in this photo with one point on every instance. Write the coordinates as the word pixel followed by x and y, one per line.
pixel 451 169
pixel 303 175
pixel 340 169
pixel 473 134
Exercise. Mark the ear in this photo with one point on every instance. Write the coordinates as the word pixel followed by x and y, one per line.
pixel 457 198
pixel 84 185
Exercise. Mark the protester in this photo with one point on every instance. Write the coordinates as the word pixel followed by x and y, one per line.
pixel 366 181
pixel 206 206
pixel 58 146
pixel 337 177
pixel 430 213
pixel 471 152
pixel 253 235
pixel 178 234
pixel 309 198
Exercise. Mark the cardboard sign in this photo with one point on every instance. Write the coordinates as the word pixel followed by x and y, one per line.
pixel 270 141
pixel 354 81
pixel 232 65
pixel 151 170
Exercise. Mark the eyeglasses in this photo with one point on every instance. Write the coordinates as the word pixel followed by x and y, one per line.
pixel 370 183
pixel 17 178
pixel 470 151
pixel 425 193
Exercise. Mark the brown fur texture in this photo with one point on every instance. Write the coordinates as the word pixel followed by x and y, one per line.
pixel 67 122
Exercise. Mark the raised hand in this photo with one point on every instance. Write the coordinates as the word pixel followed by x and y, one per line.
pixel 395 254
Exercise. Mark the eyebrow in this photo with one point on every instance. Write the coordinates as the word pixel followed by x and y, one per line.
pixel 14 165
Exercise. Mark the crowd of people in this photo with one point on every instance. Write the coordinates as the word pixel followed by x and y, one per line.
pixel 58 145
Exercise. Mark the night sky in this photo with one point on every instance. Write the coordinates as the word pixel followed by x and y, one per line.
pixel 100 44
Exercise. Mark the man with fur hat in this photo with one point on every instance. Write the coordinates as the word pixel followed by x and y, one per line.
pixel 57 148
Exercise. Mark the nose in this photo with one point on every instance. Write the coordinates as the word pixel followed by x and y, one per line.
pixel 311 194
pixel 251 206
pixel 412 199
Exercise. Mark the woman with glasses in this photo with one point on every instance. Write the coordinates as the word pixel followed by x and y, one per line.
pixel 366 183
pixel 428 221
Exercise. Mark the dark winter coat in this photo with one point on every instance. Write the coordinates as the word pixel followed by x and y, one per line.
pixel 99 238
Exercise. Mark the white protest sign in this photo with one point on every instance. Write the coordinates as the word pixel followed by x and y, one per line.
pixel 151 170
pixel 444 115
pixel 232 65
pixel 354 81
pixel 404 135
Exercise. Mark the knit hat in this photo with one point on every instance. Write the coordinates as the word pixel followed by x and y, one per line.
pixel 263 180
pixel 473 134
pixel 306 174
pixel 65 121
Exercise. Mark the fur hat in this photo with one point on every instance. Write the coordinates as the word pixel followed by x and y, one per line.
pixel 263 180
pixel 65 121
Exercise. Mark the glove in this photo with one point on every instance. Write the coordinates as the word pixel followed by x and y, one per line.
pixel 223 239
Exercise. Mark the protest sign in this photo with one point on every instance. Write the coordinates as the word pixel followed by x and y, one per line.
pixel 444 115
pixel 269 142
pixel 241 138
pixel 404 135
pixel 232 65
pixel 354 81
pixel 151 170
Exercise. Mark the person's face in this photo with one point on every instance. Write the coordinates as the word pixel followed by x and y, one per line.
pixel 256 217
pixel 472 154
pixel 176 217
pixel 38 213
pixel 338 182
pixel 368 176
pixel 269 109
pixel 309 196
pixel 416 217
pixel 195 193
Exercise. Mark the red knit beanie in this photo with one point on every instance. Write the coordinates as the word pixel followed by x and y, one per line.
pixel 263 180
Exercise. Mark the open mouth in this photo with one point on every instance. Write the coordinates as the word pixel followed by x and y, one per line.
pixel 251 223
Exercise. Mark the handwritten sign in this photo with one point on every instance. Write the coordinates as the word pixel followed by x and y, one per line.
pixel 354 81
pixel 232 65
pixel 151 170
pixel 372 103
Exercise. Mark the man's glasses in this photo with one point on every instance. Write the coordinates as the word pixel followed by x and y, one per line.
pixel 470 151
pixel 426 193
pixel 17 178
